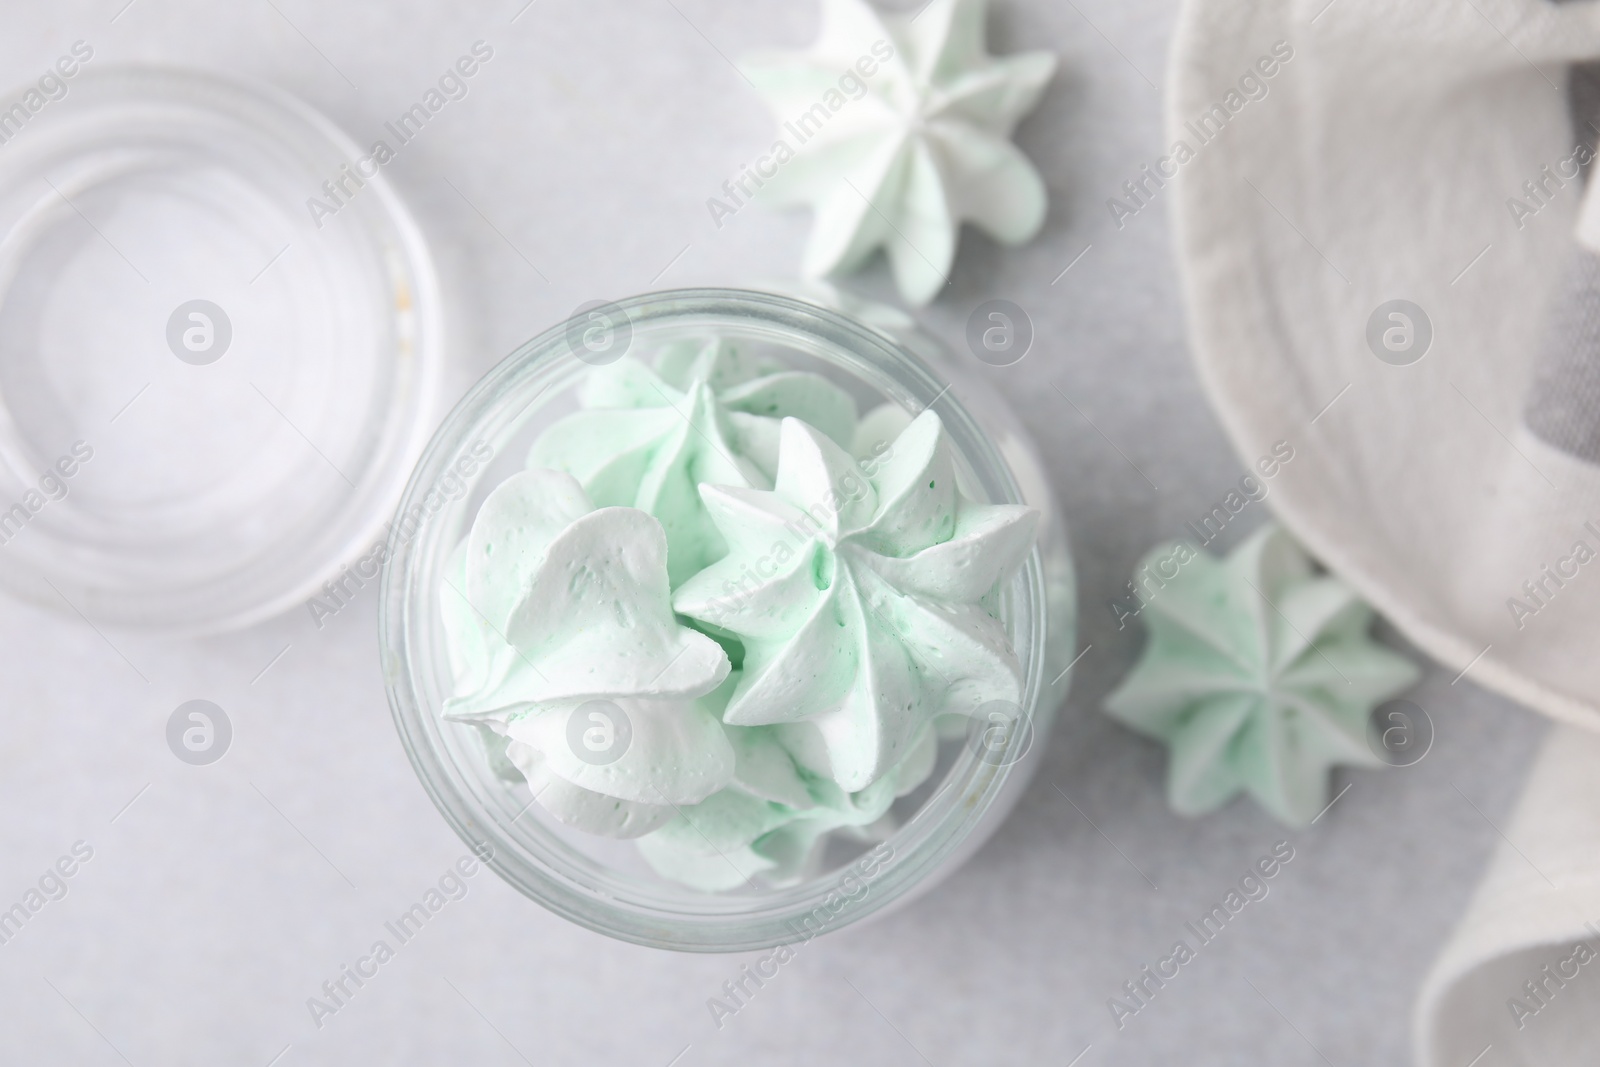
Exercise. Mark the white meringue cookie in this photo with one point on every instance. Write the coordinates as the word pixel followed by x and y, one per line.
pixel 741 833
pixel 584 809
pixel 555 612
pixel 844 609
pixel 857 598
pixel 549 606
pixel 708 413
pixel 924 145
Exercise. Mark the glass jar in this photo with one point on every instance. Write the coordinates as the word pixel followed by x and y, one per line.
pixel 600 883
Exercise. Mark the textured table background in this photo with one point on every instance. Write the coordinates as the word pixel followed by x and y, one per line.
pixel 225 895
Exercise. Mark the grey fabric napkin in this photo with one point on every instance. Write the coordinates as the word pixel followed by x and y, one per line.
pixel 1563 405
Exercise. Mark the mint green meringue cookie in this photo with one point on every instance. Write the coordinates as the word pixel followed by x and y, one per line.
pixel 876 431
pixel 648 438
pixel 677 753
pixel 856 591
pixel 710 846
pixel 743 832
pixel 557 604
pixel 855 595
pixel 1258 674
pixel 549 604
pixel 921 146
pixel 580 808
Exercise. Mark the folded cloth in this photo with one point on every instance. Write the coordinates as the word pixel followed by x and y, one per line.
pixel 1522 972
pixel 1418 152
pixel 1563 405
pixel 1375 207
pixel 1521 975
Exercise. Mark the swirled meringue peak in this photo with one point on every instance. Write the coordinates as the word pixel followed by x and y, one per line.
pixel 769 822
pixel 857 590
pixel 921 144
pixel 708 412
pixel 1258 674
pixel 556 614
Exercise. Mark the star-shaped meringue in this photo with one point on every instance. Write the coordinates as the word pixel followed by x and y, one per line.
pixel 707 413
pixel 896 129
pixel 550 606
pixel 857 598
pixel 1258 674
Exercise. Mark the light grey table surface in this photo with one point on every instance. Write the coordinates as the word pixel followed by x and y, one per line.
pixel 578 168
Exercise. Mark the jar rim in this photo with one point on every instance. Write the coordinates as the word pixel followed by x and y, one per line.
pixel 574 886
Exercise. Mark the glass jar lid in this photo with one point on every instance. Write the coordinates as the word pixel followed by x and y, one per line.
pixel 219 339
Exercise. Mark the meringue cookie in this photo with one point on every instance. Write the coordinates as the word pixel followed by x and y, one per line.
pixel 858 599
pixel 743 832
pixel 1258 674
pixel 676 754
pixel 877 428
pixel 707 413
pixel 584 809
pixel 549 605
pixel 561 602
pixel 710 846
pixel 923 146
pixel 855 608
